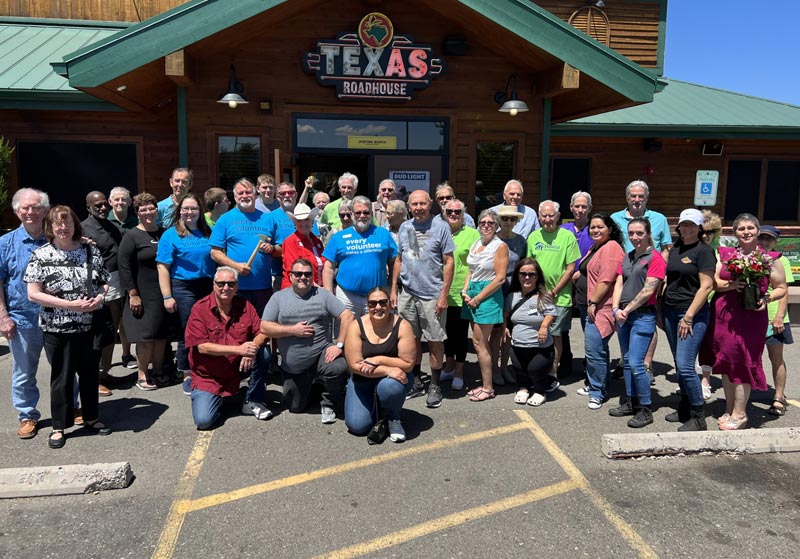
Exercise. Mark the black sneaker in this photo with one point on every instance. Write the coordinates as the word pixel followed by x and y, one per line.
pixel 434 399
pixel 129 362
pixel 417 390
pixel 643 417
pixel 554 385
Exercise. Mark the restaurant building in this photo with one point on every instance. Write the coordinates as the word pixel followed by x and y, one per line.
pixel 94 95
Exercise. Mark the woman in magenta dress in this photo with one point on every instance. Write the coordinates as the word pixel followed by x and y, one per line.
pixel 736 339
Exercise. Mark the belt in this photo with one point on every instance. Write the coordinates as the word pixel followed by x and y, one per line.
pixel 647 309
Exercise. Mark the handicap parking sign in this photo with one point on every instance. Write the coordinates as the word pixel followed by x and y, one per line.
pixel 705 188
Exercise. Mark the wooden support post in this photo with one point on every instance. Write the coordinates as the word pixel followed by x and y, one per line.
pixel 179 67
pixel 557 80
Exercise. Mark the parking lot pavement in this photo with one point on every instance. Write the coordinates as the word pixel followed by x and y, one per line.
pixel 473 480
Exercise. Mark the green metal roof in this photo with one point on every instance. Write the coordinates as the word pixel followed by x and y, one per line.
pixel 28 46
pixel 191 22
pixel 683 109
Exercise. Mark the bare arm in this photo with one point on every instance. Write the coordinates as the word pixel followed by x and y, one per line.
pixel 247 349
pixel 7 325
pixel 165 284
pixel 500 267
pixel 564 280
pixel 328 275
pixel 275 330
pixel 398 264
pixel 37 295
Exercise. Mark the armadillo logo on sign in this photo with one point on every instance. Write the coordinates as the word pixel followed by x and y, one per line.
pixel 373 63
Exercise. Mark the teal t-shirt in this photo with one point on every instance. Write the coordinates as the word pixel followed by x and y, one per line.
pixel 554 252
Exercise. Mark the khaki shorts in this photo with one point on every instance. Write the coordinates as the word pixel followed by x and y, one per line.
pixel 563 321
pixel 114 288
pixel 422 316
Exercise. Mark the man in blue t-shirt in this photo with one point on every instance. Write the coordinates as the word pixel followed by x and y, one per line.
pixel 359 258
pixel 240 240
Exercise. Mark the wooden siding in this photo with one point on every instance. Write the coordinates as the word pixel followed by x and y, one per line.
pixel 618 161
pixel 99 10
pixel 634 26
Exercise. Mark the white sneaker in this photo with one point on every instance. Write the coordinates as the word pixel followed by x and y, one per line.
pixel 595 404
pixel 458 383
pixel 396 431
pixel 258 409
pixel 328 415
pixel 537 400
pixel 446 375
pixel 582 391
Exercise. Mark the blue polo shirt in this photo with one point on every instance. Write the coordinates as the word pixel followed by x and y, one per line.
pixel 362 257
pixel 166 208
pixel 15 252
pixel 658 227
pixel 188 258
pixel 236 233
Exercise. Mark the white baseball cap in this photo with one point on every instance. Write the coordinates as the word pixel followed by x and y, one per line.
pixel 693 215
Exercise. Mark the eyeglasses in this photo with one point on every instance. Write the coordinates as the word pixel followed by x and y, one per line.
pixel 363 213
pixel 190 210
pixel 346 216
pixel 378 303
pixel 222 284
pixel 443 198
pixel 527 274
pixel 487 224
pixel 508 218
pixel 299 275
pixel 454 212
pixel 287 194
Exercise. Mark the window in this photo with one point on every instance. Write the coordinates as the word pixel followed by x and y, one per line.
pixel 568 176
pixel 68 171
pixel 779 186
pixel 237 157
pixel 369 134
pixel 495 166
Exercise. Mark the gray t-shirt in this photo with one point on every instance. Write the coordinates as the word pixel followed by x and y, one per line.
pixel 527 320
pixel 422 247
pixel 318 307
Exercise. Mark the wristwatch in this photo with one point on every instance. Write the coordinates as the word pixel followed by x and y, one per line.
pixel 340 345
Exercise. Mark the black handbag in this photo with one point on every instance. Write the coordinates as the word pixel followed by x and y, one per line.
pixel 380 430
pixel 103 331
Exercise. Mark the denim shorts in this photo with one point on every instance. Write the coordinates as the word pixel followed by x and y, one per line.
pixel 784 337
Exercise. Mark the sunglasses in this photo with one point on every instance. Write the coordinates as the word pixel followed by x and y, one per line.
pixel 378 303
pixel 225 283
pixel 508 218
pixel 487 224
pixel 441 198
pixel 454 212
pixel 346 216
pixel 299 275
pixel 527 274
pixel 286 194
pixel 362 214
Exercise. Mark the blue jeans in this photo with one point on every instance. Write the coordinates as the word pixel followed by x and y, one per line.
pixel 685 351
pixel 596 347
pixel 207 407
pixel 186 294
pixel 635 336
pixel 359 402
pixel 26 347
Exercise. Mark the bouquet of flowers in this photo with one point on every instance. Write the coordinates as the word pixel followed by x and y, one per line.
pixel 752 269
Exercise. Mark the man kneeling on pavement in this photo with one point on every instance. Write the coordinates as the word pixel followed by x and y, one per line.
pixel 224 343
pixel 301 317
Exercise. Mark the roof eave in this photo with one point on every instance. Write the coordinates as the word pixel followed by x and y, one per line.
pixel 53 101
pixel 575 129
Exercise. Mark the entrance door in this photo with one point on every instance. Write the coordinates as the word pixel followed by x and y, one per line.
pixel 328 168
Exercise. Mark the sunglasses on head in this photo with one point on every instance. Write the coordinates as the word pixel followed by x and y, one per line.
pixel 231 283
pixel 378 303
pixel 303 274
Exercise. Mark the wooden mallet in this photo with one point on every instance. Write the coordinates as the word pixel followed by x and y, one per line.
pixel 261 238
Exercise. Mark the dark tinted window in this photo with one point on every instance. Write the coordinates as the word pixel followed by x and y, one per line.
pixel 781 197
pixel 569 175
pixel 743 186
pixel 238 157
pixel 495 167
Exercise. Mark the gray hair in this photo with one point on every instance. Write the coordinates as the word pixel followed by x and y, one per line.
pixel 120 190
pixel 444 186
pixel 397 206
pixel 318 194
pixel 183 170
pixel 16 200
pixel 348 176
pixel 581 194
pixel 457 201
pixel 488 212
pixel 511 182
pixel 246 183
pixel 745 217
pixel 348 205
pixel 227 269
pixel 556 205
pixel 390 181
pixel 638 182
pixel 363 200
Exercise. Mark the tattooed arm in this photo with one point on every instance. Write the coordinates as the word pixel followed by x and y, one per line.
pixel 650 287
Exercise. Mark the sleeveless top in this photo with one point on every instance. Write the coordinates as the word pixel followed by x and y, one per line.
pixel 481 264
pixel 387 347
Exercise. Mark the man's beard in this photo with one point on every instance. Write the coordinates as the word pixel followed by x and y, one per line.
pixel 287 204
pixel 362 226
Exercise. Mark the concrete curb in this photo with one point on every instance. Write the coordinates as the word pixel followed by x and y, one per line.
pixel 749 441
pixel 64 480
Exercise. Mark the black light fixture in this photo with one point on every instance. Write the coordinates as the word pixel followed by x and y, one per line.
pixel 596 3
pixel 511 104
pixel 235 95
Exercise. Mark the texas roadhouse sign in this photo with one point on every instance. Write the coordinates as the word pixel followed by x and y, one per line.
pixel 373 63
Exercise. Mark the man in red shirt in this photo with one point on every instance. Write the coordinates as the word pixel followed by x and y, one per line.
pixel 224 342
pixel 302 244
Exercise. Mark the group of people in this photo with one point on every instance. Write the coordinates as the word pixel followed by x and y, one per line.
pixel 345 292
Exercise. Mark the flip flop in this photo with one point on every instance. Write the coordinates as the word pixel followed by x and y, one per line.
pixel 732 425
pixel 482 395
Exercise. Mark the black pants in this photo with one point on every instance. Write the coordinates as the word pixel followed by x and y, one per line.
pixel 332 376
pixel 71 354
pixel 457 330
pixel 532 366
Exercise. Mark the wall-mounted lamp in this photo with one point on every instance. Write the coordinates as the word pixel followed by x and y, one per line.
pixel 596 3
pixel 235 95
pixel 511 104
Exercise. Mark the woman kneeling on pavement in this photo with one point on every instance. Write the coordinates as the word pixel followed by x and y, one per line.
pixel 529 312
pixel 634 308
pixel 380 350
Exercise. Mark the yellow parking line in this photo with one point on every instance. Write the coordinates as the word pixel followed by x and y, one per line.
pixel 626 530
pixel 187 506
pixel 793 402
pixel 172 527
pixel 445 522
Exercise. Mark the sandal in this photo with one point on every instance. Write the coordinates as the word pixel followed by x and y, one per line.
pixel 780 408
pixel 482 395
pixel 724 418
pixel 521 397
pixel 142 384
pixel 56 439
pixel 732 425
pixel 97 427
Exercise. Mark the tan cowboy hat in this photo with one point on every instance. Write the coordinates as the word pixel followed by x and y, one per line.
pixel 509 211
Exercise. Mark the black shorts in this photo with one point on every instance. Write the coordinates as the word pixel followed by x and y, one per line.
pixel 784 337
